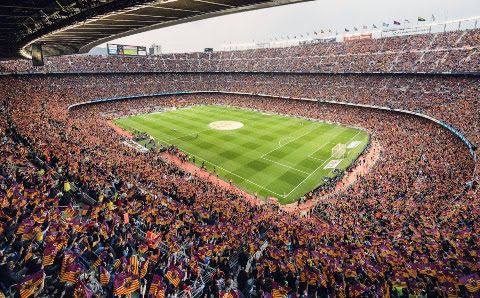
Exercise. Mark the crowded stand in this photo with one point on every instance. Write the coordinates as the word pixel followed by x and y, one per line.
pixel 456 51
pixel 85 215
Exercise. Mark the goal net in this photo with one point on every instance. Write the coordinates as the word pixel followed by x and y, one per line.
pixel 339 150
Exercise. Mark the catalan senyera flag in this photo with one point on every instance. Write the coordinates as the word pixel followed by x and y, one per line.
pixel 134 262
pixel 125 284
pixel 104 275
pixel 157 287
pixel 49 254
pixel 144 269
pixel 30 284
pixel 68 258
pixel 174 275
pixel 69 212
pixel 278 291
pixel 71 273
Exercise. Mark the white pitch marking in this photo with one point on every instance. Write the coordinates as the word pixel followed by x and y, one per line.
pixel 316 169
pixel 289 142
pixel 220 167
pixel 316 158
pixel 286 166
pixel 306 178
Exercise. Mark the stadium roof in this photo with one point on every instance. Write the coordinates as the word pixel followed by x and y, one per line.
pixel 75 26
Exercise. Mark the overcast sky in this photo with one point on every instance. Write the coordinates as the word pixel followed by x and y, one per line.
pixel 296 19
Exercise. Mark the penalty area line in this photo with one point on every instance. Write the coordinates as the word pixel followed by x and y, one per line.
pixel 286 166
pixel 230 172
pixel 352 138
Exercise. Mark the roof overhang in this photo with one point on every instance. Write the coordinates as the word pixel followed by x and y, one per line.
pixel 114 19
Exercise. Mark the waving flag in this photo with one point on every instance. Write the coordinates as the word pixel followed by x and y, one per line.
pixel 69 212
pixel 68 258
pixel 144 269
pixel 174 275
pixel 134 264
pixel 100 258
pixel 104 275
pixel 29 285
pixel 278 291
pixel 124 284
pixel 49 254
pixel 71 273
pixel 157 288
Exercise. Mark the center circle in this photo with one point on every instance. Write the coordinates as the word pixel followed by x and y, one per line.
pixel 225 125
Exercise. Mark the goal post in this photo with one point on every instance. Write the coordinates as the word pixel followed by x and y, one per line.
pixel 339 150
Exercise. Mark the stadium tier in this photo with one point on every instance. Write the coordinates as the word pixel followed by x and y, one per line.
pixel 456 51
pixel 85 212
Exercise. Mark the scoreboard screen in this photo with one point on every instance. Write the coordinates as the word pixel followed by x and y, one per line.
pixel 124 50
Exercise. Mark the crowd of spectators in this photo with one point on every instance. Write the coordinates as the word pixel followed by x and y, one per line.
pixel 456 51
pixel 83 214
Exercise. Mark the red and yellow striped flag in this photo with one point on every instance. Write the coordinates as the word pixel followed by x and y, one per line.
pixel 104 276
pixel 68 258
pixel 29 285
pixel 278 291
pixel 174 275
pixel 134 264
pixel 71 273
pixel 69 212
pixel 49 254
pixel 144 269
pixel 157 287
pixel 124 284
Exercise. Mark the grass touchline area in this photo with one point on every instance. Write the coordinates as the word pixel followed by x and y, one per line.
pixel 268 154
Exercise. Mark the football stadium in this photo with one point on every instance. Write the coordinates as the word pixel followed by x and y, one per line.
pixel 338 162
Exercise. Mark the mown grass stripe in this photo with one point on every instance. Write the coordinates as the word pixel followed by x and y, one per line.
pixel 272 155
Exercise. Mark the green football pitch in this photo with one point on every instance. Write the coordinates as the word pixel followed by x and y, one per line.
pixel 270 155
